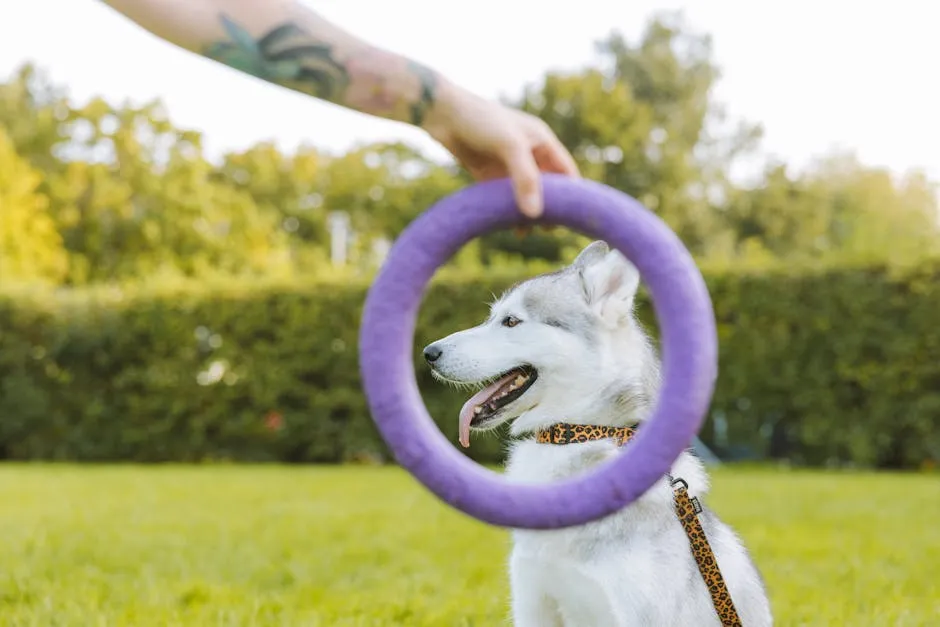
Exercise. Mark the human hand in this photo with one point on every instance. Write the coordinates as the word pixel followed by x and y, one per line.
pixel 492 141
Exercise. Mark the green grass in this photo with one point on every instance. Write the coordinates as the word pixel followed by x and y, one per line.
pixel 208 546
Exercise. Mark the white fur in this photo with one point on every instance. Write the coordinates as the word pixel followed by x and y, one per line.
pixel 634 567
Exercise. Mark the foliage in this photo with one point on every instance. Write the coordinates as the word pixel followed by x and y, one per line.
pixel 643 121
pixel 839 211
pixel 132 197
pixel 30 246
pixel 354 546
pixel 832 367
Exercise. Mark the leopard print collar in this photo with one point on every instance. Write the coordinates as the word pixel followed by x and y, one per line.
pixel 565 433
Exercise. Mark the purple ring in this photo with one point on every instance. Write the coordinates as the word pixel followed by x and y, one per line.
pixel 688 342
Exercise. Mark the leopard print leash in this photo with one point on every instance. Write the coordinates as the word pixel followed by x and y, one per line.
pixel 687 510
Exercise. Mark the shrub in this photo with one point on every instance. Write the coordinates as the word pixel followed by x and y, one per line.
pixel 816 367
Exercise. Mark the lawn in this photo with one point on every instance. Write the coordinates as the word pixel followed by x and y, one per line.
pixel 358 546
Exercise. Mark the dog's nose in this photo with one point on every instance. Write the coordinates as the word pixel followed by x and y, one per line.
pixel 432 352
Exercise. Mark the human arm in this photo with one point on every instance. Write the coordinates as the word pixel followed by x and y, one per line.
pixel 287 44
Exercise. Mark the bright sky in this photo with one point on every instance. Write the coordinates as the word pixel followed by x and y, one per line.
pixel 816 73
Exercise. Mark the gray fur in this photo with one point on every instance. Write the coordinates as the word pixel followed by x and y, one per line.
pixel 571 314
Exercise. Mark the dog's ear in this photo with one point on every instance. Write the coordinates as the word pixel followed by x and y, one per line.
pixel 591 254
pixel 610 286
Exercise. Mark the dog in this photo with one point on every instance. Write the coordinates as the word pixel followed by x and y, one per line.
pixel 567 347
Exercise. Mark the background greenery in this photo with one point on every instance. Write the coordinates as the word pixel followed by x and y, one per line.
pixel 270 372
pixel 97 192
pixel 156 304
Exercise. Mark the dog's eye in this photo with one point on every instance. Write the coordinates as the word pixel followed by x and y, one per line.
pixel 511 321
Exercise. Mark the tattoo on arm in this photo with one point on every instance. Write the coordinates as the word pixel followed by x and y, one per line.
pixel 428 80
pixel 286 55
pixel 363 78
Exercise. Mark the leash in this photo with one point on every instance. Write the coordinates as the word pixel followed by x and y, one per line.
pixel 687 510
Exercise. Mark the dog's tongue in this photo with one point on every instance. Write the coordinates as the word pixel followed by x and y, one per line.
pixel 466 412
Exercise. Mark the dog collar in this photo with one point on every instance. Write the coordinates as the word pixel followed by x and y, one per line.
pixel 566 433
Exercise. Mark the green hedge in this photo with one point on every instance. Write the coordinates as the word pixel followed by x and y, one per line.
pixel 829 366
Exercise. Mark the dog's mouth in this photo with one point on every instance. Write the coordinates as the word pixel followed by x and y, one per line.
pixel 484 407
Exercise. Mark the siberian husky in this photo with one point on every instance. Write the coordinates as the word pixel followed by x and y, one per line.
pixel 565 347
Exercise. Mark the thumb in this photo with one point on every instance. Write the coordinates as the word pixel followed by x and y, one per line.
pixel 526 180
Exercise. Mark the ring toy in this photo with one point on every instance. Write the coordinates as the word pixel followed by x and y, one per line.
pixel 689 348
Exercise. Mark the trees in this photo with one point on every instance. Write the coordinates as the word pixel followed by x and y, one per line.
pixel 644 121
pixel 30 246
pixel 130 196
pixel 839 209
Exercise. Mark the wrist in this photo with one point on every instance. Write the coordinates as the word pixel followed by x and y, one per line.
pixel 443 115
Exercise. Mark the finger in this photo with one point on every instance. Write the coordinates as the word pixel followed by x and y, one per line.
pixel 550 161
pixel 560 159
pixel 551 154
pixel 526 181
